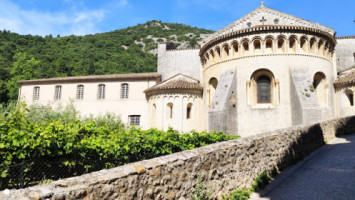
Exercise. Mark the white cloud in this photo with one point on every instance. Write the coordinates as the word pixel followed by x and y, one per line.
pixel 71 21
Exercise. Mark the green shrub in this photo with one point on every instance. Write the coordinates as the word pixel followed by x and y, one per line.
pixel 261 181
pixel 80 144
pixel 200 192
pixel 238 194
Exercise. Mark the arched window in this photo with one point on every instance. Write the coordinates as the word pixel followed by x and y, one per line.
pixel 80 92
pixel 58 92
pixel 280 45
pixel 226 50
pixel 320 88
pixel 320 47
pixel 269 46
pixel 257 47
pixel 303 45
pixel 170 110
pixel 36 93
pixel 292 45
pixel 350 96
pixel 188 111
pixel 212 55
pixel 236 48
pixel 101 91
pixel 124 91
pixel 312 45
pixel 245 46
pixel 354 57
pixel 212 85
pixel 276 21
pixel 154 111
pixel 264 89
pixel 218 50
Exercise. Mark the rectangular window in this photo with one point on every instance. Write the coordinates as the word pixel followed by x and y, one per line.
pixel 58 92
pixel 36 93
pixel 124 91
pixel 101 92
pixel 134 120
pixel 80 92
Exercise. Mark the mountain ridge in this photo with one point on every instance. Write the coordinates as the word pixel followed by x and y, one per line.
pixel 128 50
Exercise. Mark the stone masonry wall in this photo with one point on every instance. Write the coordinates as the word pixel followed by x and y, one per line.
pixel 222 167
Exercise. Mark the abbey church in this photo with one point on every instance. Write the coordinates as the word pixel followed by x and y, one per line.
pixel 267 70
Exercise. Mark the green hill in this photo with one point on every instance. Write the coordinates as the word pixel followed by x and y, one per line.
pixel 129 50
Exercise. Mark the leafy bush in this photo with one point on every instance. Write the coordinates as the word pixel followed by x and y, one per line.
pixel 238 194
pixel 200 192
pixel 242 194
pixel 261 181
pixel 78 144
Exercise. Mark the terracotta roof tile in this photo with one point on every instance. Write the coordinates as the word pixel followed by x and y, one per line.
pixel 176 84
pixel 347 79
pixel 111 77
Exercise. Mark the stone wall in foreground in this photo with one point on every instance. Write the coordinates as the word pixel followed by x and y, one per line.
pixel 223 167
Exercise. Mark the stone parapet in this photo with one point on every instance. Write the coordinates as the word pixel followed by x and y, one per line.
pixel 222 167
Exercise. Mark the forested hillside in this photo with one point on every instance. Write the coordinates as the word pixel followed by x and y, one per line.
pixel 129 50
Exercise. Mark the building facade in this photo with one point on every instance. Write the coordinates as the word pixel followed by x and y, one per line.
pixel 265 71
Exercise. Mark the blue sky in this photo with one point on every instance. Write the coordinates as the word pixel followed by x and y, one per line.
pixel 80 17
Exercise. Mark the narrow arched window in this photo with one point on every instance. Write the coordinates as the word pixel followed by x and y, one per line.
pixel 264 89
pixel 235 48
pixel 257 47
pixel 226 50
pixel 269 46
pixel 188 111
pixel 245 48
pixel 350 96
pixel 80 92
pixel 312 45
pixel 124 91
pixel 101 91
pixel 36 93
pixel 154 110
pixel 58 92
pixel 303 44
pixel 280 45
pixel 320 88
pixel 170 110
pixel 292 45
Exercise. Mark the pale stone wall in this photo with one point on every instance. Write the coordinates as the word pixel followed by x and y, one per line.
pixel 136 104
pixel 293 68
pixel 159 111
pixel 175 61
pixel 345 50
pixel 343 102
pixel 223 167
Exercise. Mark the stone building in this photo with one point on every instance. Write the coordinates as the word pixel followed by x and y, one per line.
pixel 266 71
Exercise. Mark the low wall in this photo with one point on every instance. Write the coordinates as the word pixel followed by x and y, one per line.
pixel 223 167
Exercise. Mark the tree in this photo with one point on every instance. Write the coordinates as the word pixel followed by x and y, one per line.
pixel 24 68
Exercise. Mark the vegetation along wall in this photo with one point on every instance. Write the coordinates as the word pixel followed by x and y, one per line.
pixel 221 167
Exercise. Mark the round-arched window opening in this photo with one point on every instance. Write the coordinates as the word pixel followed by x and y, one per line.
pixel 350 96
pixel 264 89
pixel 249 24
pixel 276 21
